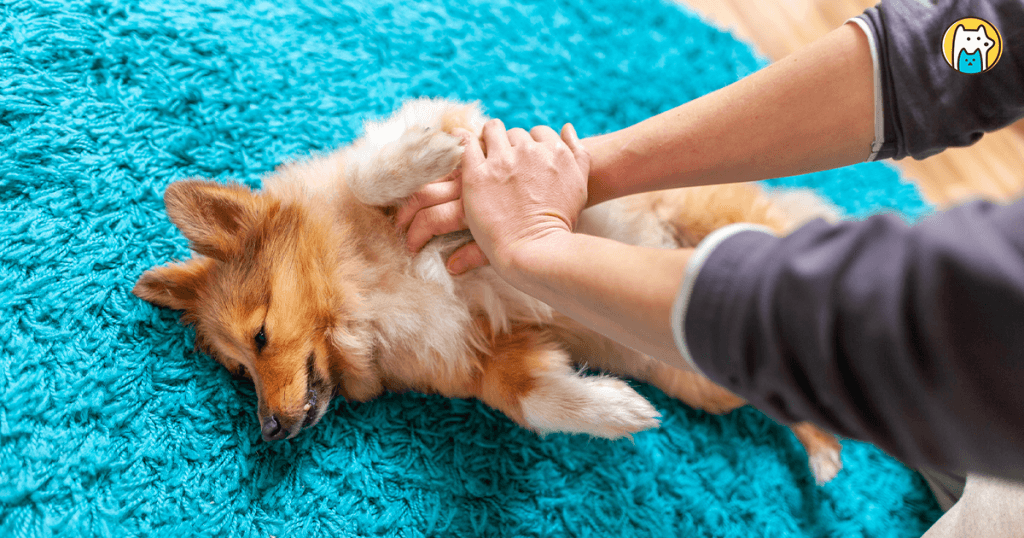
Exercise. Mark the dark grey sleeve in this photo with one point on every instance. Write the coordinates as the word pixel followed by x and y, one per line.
pixel 923 105
pixel 909 337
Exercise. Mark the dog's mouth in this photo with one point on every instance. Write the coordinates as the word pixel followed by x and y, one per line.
pixel 312 409
pixel 317 395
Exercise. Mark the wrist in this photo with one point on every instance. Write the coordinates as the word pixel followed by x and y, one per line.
pixel 608 155
pixel 529 264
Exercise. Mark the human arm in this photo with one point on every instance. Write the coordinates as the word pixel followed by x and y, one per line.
pixel 876 329
pixel 910 337
pixel 622 291
pixel 810 111
pixel 522 193
pixel 877 87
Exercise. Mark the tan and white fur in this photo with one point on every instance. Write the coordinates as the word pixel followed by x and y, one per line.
pixel 306 288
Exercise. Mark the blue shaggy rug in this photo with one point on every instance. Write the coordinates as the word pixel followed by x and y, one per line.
pixel 110 423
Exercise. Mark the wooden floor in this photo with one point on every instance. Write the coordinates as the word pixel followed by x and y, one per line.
pixel 992 168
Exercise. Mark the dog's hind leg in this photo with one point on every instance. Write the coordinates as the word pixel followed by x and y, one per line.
pixel 598 352
pixel 413 147
pixel 822 451
pixel 529 378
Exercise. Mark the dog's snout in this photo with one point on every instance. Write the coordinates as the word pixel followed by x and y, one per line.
pixel 272 430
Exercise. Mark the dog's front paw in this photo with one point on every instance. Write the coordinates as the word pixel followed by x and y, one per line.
pixel 429 152
pixel 382 175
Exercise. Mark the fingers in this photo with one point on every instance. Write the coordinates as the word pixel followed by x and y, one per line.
pixel 467 257
pixel 517 136
pixel 433 221
pixel 448 189
pixel 495 138
pixel 543 133
pixel 579 151
pixel 473 154
pixel 438 209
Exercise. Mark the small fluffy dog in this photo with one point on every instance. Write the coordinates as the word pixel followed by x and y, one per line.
pixel 306 288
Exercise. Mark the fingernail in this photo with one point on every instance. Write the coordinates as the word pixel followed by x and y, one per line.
pixel 571 131
pixel 457 265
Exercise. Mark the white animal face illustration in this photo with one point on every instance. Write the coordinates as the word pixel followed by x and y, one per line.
pixel 972 44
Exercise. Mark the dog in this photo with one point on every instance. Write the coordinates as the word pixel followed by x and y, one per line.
pixel 306 288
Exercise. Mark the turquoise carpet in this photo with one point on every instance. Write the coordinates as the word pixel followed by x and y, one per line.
pixel 110 424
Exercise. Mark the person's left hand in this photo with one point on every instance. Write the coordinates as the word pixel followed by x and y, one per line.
pixel 436 209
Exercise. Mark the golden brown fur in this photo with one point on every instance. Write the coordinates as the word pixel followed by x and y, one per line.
pixel 306 288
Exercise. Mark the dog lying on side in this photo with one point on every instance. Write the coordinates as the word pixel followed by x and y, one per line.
pixel 306 288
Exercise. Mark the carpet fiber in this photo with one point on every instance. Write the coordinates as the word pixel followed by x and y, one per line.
pixel 110 424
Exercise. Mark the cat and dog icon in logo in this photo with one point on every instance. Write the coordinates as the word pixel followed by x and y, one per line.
pixel 972 45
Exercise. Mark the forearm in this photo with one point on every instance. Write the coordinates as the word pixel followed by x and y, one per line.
pixel 622 291
pixel 810 111
pixel 907 337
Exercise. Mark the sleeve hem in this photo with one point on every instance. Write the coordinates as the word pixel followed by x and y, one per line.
pixel 682 301
pixel 876 145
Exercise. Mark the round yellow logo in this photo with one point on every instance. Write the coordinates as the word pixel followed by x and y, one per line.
pixel 972 45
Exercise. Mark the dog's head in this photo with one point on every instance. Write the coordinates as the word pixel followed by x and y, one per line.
pixel 269 300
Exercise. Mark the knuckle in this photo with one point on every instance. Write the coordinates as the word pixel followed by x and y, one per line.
pixel 441 217
pixel 506 164
pixel 540 129
pixel 432 218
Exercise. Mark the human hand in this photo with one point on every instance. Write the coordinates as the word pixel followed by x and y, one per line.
pixel 521 187
pixel 436 209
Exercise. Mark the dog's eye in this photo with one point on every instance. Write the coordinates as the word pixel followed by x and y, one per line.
pixel 260 339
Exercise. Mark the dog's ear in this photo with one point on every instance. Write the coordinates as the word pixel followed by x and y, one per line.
pixel 211 214
pixel 177 286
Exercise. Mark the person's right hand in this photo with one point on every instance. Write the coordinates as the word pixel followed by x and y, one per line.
pixel 522 190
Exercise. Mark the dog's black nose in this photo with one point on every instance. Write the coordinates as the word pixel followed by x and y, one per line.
pixel 272 430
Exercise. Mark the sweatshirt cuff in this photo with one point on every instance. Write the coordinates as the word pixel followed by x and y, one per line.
pixel 879 141
pixel 693 268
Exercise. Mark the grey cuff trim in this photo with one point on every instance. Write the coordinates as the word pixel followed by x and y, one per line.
pixel 876 145
pixel 682 302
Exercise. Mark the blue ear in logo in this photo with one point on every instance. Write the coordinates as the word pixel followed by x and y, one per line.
pixel 970 63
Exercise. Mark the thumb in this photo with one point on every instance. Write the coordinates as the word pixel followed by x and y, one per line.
pixel 473 154
pixel 469 256
pixel 578 149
